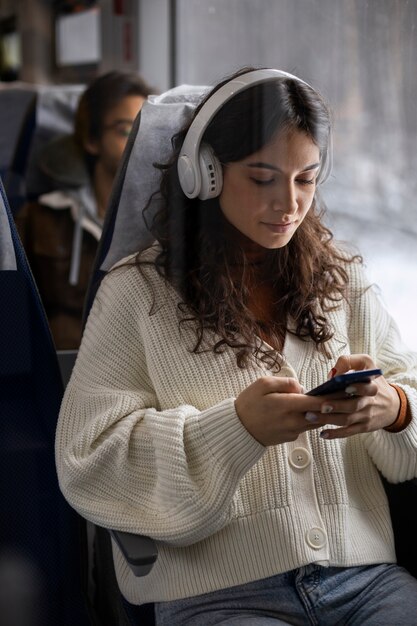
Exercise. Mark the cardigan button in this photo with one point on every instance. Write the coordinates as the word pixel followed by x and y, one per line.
pixel 316 538
pixel 299 458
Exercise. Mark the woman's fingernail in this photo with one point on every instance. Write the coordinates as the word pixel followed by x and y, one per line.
pixel 351 389
pixel 332 372
pixel 324 434
pixel 311 417
pixel 326 408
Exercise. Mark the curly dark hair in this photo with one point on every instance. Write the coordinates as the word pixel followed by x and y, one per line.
pixel 307 277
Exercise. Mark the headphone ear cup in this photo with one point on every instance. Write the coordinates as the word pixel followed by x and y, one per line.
pixel 211 173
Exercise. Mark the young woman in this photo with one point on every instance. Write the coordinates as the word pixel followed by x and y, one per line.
pixel 61 230
pixel 186 418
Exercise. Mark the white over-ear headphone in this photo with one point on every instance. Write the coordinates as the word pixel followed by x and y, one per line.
pixel 199 170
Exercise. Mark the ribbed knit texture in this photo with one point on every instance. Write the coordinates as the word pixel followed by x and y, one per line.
pixel 148 441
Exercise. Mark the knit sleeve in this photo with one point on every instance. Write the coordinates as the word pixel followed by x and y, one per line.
pixel 373 331
pixel 123 462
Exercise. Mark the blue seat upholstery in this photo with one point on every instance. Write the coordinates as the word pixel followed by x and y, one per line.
pixel 40 535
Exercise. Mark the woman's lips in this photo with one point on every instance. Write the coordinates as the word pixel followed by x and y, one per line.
pixel 279 228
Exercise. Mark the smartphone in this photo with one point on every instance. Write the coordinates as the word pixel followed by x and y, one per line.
pixel 341 381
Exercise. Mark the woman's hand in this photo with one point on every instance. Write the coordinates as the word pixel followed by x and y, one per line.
pixel 275 409
pixel 371 406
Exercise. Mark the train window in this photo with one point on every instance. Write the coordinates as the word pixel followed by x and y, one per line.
pixel 78 38
pixel 362 57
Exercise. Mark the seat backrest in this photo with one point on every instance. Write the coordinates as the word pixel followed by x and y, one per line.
pixel 39 563
pixel 14 103
pixel 124 230
pixel 50 115
pixel 402 500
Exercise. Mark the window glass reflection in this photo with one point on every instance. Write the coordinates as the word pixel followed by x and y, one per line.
pixel 362 56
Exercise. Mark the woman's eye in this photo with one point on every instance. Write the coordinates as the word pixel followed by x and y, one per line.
pixel 263 183
pixel 306 181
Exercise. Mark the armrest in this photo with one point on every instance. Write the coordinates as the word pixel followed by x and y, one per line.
pixel 139 551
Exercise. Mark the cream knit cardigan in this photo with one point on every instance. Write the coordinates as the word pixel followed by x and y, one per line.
pixel 148 441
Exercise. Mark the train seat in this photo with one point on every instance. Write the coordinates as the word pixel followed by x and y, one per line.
pixel 14 102
pixel 49 115
pixel 125 232
pixel 41 545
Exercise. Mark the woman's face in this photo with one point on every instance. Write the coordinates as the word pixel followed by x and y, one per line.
pixel 117 124
pixel 267 195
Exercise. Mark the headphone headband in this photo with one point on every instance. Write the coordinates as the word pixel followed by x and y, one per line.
pixel 188 165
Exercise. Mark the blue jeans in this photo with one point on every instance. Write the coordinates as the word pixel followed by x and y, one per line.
pixel 374 595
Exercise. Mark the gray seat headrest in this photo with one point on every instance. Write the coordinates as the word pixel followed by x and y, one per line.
pixel 160 118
